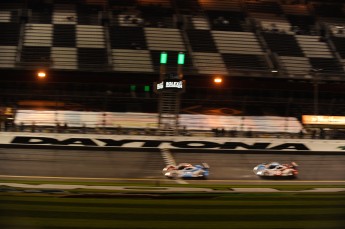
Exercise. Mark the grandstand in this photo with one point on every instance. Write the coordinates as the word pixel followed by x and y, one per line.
pixel 277 58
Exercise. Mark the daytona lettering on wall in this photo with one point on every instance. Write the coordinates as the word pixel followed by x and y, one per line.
pixel 104 142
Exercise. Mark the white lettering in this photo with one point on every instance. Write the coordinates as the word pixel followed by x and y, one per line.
pixel 160 86
pixel 173 84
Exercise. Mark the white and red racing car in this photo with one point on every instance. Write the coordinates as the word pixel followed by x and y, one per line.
pixel 275 169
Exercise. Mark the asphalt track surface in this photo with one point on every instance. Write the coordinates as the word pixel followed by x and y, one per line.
pixel 225 167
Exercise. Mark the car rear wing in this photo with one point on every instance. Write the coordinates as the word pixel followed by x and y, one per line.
pixel 205 165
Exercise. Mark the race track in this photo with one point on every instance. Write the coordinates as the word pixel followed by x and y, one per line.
pixel 148 165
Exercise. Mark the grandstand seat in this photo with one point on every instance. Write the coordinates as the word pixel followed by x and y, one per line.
pixel 339 43
pixel 302 24
pixel 92 58
pixel 237 42
pixel 314 46
pixel 327 65
pixel 89 15
pixel 9 33
pixel 226 20
pixel 283 44
pixel 41 13
pixel 201 41
pixel 130 49
pixel 156 16
pixel 35 55
pixel 9 15
pixel 64 36
pixel 127 37
pixel 245 62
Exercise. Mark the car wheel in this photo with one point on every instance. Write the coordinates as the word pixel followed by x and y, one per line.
pixel 174 176
pixel 202 176
pixel 265 173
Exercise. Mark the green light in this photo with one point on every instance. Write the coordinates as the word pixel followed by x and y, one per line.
pixel 133 87
pixel 164 58
pixel 180 58
pixel 147 88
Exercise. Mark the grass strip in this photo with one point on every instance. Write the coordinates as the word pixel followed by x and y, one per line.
pixel 264 210
pixel 152 209
pixel 53 223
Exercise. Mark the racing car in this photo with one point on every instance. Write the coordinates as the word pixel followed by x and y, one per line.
pixel 186 170
pixel 275 169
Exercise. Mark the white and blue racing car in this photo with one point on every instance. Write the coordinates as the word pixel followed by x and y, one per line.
pixel 186 170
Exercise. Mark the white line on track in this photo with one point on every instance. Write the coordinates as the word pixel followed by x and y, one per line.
pixel 181 181
pixel 169 160
pixel 167 156
pixel 152 179
pixel 73 178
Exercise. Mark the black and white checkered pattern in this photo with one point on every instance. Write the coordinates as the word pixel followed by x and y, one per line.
pixel 69 38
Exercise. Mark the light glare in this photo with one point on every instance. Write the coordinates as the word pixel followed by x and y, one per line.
pixel 218 80
pixel 41 74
